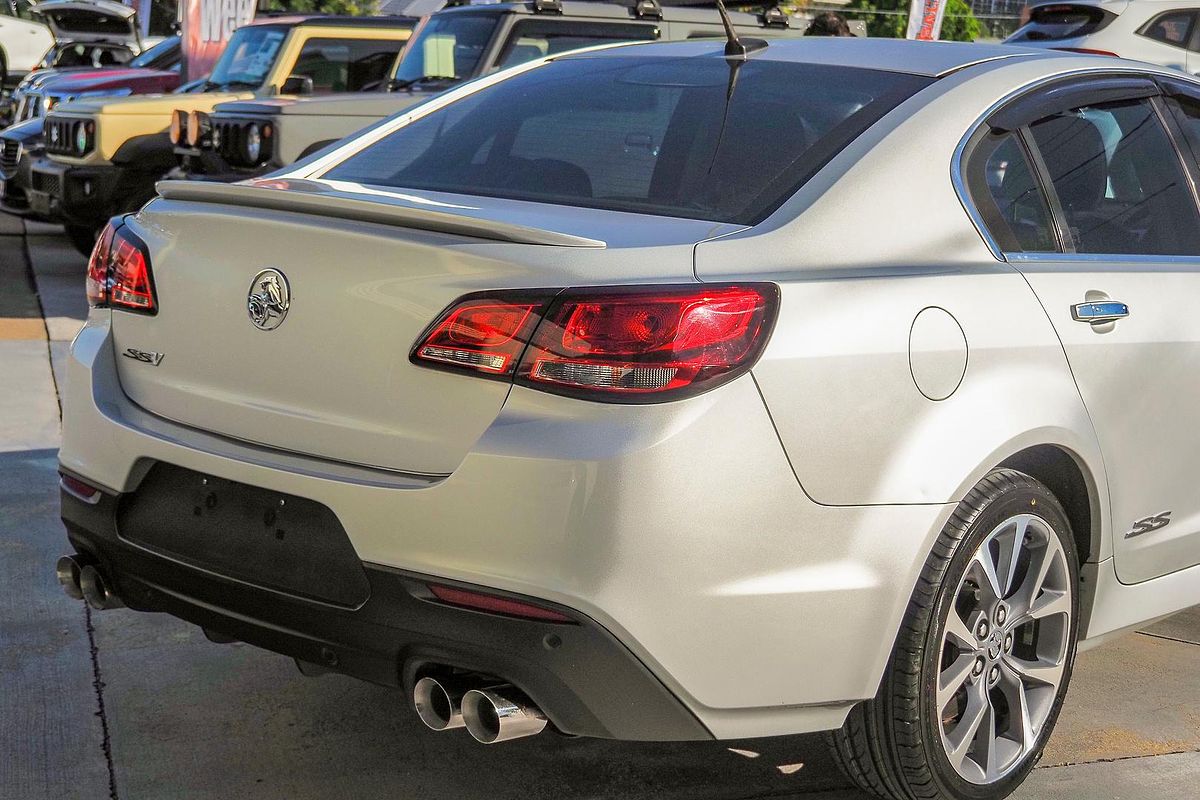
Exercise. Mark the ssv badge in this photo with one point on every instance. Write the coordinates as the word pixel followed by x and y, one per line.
pixel 153 359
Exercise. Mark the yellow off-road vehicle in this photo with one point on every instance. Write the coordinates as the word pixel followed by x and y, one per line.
pixel 103 156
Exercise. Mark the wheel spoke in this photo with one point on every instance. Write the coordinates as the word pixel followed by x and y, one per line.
pixel 1011 557
pixel 958 630
pixel 1040 671
pixel 983 559
pixel 1040 562
pixel 959 740
pixel 990 768
pixel 952 678
pixel 1050 604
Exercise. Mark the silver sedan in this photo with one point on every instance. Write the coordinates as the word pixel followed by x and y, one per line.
pixel 672 391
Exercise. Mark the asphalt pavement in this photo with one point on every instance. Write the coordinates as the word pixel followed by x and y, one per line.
pixel 124 705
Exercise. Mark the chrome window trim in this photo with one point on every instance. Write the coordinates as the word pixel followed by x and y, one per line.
pixel 1091 258
pixel 960 187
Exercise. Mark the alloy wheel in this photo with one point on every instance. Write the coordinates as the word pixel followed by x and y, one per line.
pixel 1004 649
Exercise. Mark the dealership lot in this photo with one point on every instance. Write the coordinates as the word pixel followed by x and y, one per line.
pixel 139 706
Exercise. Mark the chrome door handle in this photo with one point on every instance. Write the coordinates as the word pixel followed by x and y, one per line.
pixel 1100 312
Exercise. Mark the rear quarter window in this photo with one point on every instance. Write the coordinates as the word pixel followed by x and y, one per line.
pixel 666 136
pixel 1062 21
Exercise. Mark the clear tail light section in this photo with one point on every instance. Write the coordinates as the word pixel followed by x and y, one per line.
pixel 119 272
pixel 617 344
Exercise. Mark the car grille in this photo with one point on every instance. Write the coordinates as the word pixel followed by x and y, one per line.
pixel 58 136
pixel 229 135
pixel 10 156
pixel 46 183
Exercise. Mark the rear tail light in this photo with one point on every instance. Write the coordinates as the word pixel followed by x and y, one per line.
pixel 616 344
pixel 119 272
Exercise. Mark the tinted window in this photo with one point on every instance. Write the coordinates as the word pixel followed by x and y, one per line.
pixel 1187 114
pixel 86 55
pixel 80 21
pixel 1008 197
pixel 1119 180
pixel 1174 28
pixel 248 57
pixel 164 55
pixel 1062 21
pixel 650 135
pixel 533 39
pixel 342 65
pixel 447 48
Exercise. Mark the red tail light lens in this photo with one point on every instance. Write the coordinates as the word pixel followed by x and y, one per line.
pixel 617 344
pixel 119 272
pixel 485 334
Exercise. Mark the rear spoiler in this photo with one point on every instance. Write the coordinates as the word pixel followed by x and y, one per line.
pixel 311 197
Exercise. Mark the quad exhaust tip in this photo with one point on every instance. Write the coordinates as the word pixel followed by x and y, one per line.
pixel 500 715
pixel 68 571
pixel 438 704
pixel 97 590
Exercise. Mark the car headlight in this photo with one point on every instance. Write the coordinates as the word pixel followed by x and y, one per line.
pixel 215 137
pixel 253 145
pixel 81 138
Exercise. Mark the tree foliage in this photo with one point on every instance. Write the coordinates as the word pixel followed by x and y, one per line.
pixel 959 23
pixel 341 7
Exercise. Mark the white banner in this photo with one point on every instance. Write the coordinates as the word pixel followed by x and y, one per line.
pixel 925 19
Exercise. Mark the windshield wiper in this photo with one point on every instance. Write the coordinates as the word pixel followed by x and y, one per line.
pixel 395 85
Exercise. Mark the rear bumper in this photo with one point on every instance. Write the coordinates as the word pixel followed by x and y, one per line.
pixel 678 529
pixel 585 681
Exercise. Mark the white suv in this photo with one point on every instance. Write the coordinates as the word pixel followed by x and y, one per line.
pixel 1157 31
pixel 22 40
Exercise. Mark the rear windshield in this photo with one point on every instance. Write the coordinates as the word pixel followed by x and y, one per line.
pixel 1064 21
pixel 701 138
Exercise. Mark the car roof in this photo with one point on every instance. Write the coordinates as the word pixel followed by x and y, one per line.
pixel 671 10
pixel 930 59
pixel 297 20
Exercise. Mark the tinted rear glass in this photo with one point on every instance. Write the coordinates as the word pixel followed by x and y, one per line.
pixel 1065 21
pixel 673 137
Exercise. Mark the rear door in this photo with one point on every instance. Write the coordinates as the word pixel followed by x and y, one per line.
pixel 1128 228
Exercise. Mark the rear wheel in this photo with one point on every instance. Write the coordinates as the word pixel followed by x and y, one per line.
pixel 982 661
pixel 83 237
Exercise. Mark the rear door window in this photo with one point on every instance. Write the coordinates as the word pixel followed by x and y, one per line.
pixel 346 65
pixel 1062 21
pixel 1005 190
pixel 688 137
pixel 533 39
pixel 1119 180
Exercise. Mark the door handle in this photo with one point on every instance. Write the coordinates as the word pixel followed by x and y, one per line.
pixel 1100 312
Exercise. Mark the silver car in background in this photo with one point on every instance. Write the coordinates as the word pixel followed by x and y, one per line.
pixel 674 392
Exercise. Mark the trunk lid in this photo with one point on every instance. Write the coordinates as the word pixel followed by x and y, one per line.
pixel 333 379
pixel 90 21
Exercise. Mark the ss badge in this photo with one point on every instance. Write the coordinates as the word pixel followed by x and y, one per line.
pixel 1150 524
pixel 153 359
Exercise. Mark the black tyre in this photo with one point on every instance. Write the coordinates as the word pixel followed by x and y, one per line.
pixel 982 661
pixel 83 237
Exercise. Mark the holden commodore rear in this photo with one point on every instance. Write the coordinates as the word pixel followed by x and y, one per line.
pixel 657 393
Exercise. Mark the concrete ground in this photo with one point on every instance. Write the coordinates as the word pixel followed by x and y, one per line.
pixel 133 706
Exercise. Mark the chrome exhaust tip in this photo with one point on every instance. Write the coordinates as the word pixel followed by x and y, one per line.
pixel 68 570
pixel 438 704
pixel 495 715
pixel 97 590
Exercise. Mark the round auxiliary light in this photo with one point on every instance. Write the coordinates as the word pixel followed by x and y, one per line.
pixel 253 143
pixel 177 125
pixel 81 138
pixel 195 124
pixel 215 137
